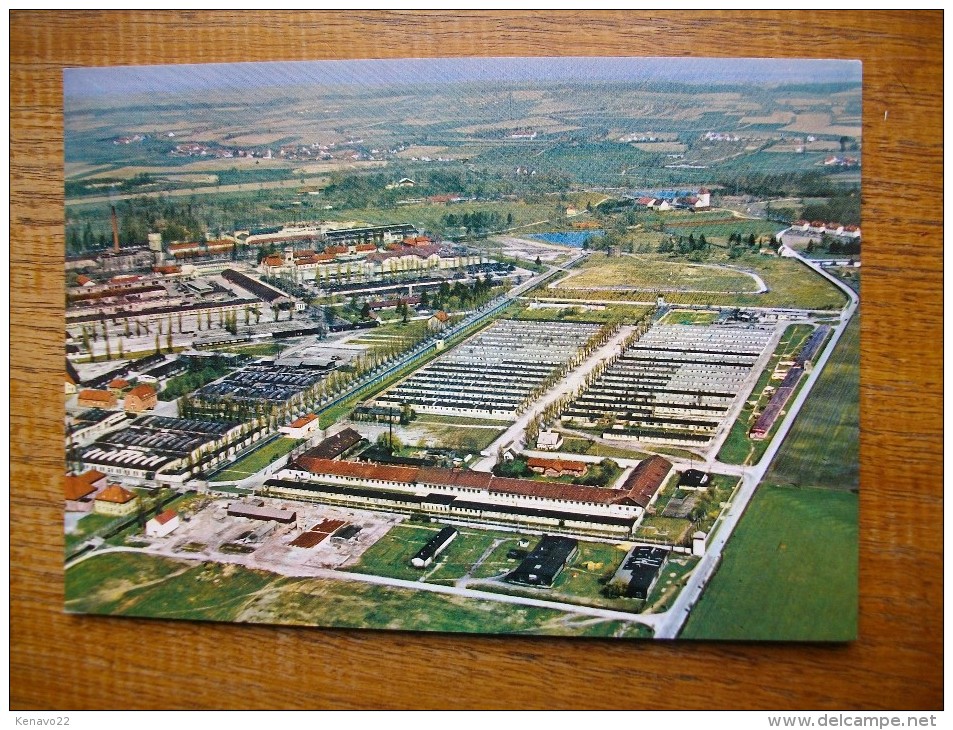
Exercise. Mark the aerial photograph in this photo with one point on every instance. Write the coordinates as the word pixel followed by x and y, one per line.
pixel 546 346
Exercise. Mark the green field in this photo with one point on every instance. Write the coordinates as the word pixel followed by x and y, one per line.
pixel 390 556
pixel 688 316
pixel 611 313
pixel 433 418
pixel 461 438
pixel 256 460
pixel 720 229
pixel 790 569
pixel 650 271
pixel 132 584
pixel 822 447
pixel 670 530
pixel 575 445
pixel 581 582
pixel 788 573
pixel 790 284
pixel 86 527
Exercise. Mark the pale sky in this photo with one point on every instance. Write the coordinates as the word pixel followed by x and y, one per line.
pixel 83 82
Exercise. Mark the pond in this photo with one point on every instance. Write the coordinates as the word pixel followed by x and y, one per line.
pixel 569 238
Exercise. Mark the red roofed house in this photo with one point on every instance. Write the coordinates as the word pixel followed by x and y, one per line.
pixel 556 467
pixel 646 479
pixel 115 501
pixel 90 398
pixel 84 281
pixel 141 398
pixel 438 321
pixel 162 524
pixel 81 488
pixel 117 386
pixel 302 428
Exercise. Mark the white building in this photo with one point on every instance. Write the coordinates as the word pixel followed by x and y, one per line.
pixel 549 441
pixel 162 524
pixel 303 427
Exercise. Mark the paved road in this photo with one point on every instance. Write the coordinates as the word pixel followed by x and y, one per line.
pixel 674 619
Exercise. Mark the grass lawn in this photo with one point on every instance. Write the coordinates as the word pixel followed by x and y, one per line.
pixel 428 418
pixel 738 448
pixel 610 314
pixel 143 585
pixel 256 460
pixel 651 270
pixel 689 316
pixel 576 445
pixel 670 529
pixel 85 528
pixel 790 284
pixel 581 582
pixel 789 571
pixel 673 577
pixel 390 556
pixel 461 438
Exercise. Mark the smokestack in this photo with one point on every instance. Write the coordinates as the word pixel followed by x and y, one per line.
pixel 115 230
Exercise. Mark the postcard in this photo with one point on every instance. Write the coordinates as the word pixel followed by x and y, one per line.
pixel 552 346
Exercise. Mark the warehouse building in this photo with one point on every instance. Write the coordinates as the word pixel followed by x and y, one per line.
pixel 646 479
pixel 544 564
pixel 166 449
pixel 260 512
pixel 436 545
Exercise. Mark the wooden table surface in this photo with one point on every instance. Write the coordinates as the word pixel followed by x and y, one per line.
pixel 72 662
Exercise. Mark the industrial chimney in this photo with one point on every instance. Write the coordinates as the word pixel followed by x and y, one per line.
pixel 115 230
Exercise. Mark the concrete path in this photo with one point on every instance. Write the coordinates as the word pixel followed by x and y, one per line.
pixel 516 433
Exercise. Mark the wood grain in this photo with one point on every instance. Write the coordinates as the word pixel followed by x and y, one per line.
pixel 70 662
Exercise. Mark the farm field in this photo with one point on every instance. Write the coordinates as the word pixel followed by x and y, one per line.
pixel 131 584
pixel 256 460
pixel 788 573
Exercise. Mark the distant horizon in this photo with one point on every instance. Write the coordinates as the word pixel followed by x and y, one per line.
pixel 79 83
